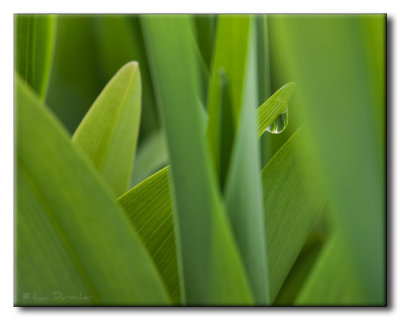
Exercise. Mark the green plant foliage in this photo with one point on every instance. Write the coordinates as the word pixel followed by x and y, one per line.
pixel 334 279
pixel 152 156
pixel 243 195
pixel 152 217
pixel 232 34
pixel 301 269
pixel 344 114
pixel 274 106
pixel 119 40
pixel 159 197
pixel 264 79
pixel 76 78
pixel 108 133
pixel 72 238
pixel 289 220
pixel 34 46
pixel 205 244
pixel 148 213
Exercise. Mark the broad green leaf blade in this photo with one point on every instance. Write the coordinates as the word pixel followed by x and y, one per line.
pixel 212 272
pixel 273 106
pixel 119 39
pixel 243 193
pixel 149 208
pixel 151 156
pixel 72 239
pixel 108 133
pixel 34 47
pixel 344 114
pixel 292 202
pixel 334 279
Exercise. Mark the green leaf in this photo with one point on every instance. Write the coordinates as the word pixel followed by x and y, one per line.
pixel 292 203
pixel 303 265
pixel 76 77
pixel 273 106
pixel 149 208
pixel 119 40
pixel 211 270
pixel 232 36
pixel 151 156
pixel 264 79
pixel 334 279
pixel 205 26
pixel 108 133
pixel 205 34
pixel 34 46
pixel 243 193
pixel 73 240
pixel 263 58
pixel 344 112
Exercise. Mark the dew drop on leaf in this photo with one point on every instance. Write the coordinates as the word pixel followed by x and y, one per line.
pixel 280 123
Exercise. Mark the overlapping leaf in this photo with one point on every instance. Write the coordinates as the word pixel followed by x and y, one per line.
pixel 210 264
pixel 292 216
pixel 334 280
pixel 242 191
pixel 292 202
pixel 74 245
pixel 149 208
pixel 151 156
pixel 344 112
pixel 109 131
pixel 119 40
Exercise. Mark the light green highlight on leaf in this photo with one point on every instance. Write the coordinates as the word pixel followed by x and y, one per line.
pixel 108 133
pixel 72 238
pixel 273 107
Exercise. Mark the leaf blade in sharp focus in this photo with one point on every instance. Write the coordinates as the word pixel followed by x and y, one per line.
pixel 108 133
pixel 149 208
pixel 290 203
pixel 71 237
pixel 273 106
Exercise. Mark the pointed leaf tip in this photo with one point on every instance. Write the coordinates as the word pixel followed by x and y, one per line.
pixel 109 131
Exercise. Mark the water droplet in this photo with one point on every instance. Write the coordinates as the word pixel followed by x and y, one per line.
pixel 280 123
